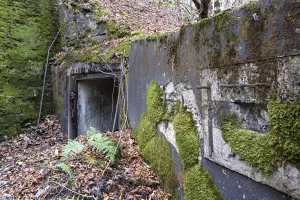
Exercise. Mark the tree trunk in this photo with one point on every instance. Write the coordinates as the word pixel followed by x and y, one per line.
pixel 202 6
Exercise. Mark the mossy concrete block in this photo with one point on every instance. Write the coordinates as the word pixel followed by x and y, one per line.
pixel 246 56
pixel 22 61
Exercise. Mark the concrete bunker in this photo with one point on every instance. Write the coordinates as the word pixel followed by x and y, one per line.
pixel 92 102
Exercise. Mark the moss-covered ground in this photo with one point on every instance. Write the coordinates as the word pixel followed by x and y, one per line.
pixel 26 31
pixel 267 151
pixel 197 182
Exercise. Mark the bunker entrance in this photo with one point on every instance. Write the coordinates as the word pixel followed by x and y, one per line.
pixel 92 103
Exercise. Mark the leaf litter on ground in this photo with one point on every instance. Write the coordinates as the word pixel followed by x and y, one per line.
pixel 31 168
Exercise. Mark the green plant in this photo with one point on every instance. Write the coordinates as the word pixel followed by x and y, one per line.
pixel 64 167
pixel 102 143
pixel 71 149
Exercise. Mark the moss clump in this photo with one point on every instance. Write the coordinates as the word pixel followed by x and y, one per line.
pixel 256 149
pixel 100 14
pixel 115 30
pixel 97 54
pixel 155 101
pixel 146 130
pixel 154 37
pixel 158 154
pixel 285 127
pixel 123 48
pixel 156 149
pixel 137 32
pixel 198 184
pixel 148 121
pixel 187 139
pixel 265 151
pixel 222 19
pixel 22 59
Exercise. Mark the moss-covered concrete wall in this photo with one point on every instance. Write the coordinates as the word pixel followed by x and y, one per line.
pixel 190 180
pixel 91 43
pixel 27 28
pixel 247 56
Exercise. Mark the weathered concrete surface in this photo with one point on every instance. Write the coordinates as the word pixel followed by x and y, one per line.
pixel 221 5
pixel 96 105
pixel 255 44
pixel 60 76
pixel 80 26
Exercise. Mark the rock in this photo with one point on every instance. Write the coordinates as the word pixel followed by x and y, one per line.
pixel 27 140
pixel 5 196
pixel 2 183
pixel 41 192
pixel 129 197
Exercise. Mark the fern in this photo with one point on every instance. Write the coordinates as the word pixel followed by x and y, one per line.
pixel 66 169
pixel 102 143
pixel 72 148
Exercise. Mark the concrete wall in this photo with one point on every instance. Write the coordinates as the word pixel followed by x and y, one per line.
pixel 60 76
pixel 96 104
pixel 255 44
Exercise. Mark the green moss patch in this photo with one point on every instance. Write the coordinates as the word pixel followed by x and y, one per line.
pixel 97 54
pixel 157 151
pixel 158 154
pixel 26 30
pixel 155 101
pixel 285 127
pixel 146 130
pixel 187 139
pixel 198 184
pixel 266 151
pixel 255 148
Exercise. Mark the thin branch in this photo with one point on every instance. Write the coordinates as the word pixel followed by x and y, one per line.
pixel 45 73
pixel 70 190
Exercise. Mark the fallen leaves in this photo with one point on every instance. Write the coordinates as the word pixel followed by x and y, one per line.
pixel 30 172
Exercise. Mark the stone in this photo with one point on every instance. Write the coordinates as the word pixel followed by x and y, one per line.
pixel 3 183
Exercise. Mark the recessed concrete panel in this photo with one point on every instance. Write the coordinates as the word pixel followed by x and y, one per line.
pixel 96 105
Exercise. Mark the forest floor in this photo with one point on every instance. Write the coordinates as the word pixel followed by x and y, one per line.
pixel 149 16
pixel 28 168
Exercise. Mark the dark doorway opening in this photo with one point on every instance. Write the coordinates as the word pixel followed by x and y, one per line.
pixel 92 103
